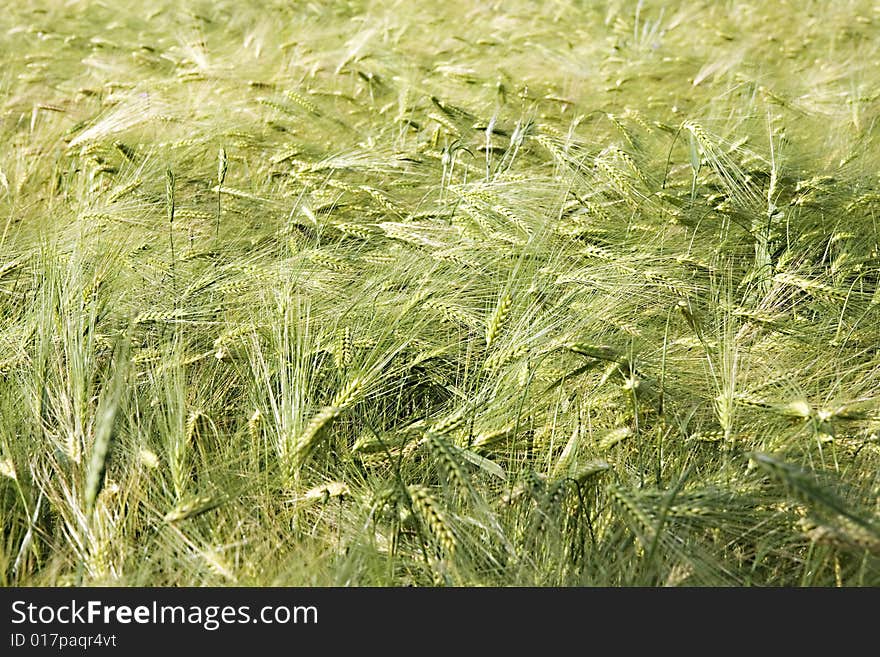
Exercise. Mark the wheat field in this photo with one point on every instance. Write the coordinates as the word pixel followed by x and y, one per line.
pixel 377 293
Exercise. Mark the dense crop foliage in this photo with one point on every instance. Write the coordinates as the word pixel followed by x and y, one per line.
pixel 383 293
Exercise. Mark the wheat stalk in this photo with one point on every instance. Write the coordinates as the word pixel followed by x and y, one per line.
pixel 497 319
pixel 430 514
